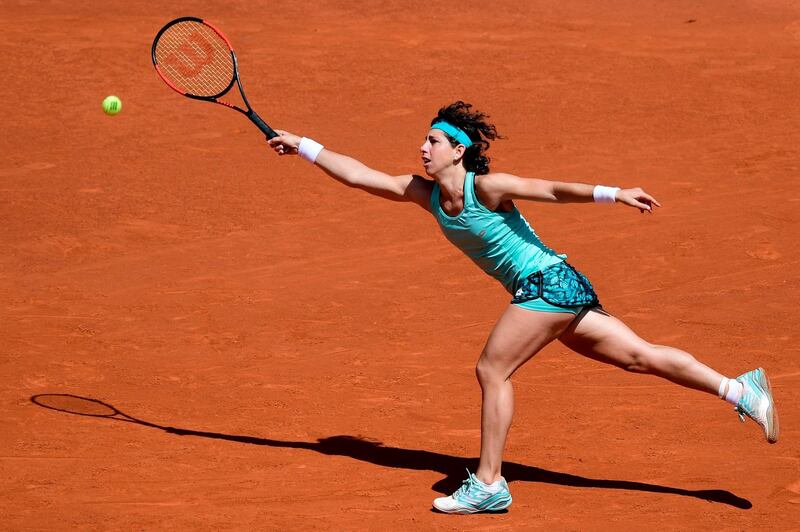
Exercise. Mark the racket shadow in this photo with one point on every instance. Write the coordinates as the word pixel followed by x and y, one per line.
pixel 375 452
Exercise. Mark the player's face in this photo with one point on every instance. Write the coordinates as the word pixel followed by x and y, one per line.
pixel 436 152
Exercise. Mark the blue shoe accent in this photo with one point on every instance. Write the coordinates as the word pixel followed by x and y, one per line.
pixel 757 403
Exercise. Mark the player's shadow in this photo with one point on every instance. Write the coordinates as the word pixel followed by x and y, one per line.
pixel 453 467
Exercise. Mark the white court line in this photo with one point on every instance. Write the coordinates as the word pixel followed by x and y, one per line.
pixel 704 279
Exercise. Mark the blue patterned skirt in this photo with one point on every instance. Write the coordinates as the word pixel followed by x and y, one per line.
pixel 560 285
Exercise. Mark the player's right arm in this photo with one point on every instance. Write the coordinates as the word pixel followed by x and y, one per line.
pixel 354 173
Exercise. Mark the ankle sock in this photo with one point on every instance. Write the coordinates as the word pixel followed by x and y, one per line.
pixel 493 487
pixel 731 390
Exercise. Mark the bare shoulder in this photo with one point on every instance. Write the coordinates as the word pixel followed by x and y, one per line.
pixel 491 189
pixel 501 187
pixel 419 190
pixel 494 181
pixel 495 184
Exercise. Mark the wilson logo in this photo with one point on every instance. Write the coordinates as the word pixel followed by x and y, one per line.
pixel 191 56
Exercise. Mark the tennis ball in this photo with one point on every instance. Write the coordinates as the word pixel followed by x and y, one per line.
pixel 112 105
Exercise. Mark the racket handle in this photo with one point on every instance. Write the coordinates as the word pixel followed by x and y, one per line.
pixel 268 131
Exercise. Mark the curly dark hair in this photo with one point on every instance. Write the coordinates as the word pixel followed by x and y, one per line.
pixel 475 125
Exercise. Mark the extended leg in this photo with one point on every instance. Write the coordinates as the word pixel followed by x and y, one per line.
pixel 600 336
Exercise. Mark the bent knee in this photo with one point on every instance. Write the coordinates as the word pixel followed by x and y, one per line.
pixel 488 370
pixel 484 369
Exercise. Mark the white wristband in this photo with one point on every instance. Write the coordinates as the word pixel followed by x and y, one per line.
pixel 309 149
pixel 605 194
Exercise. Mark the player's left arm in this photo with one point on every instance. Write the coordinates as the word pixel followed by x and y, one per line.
pixel 499 187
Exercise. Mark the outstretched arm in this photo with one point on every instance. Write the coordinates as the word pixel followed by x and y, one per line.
pixel 502 187
pixel 354 173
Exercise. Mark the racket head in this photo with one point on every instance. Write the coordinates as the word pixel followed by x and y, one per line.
pixel 74 404
pixel 194 58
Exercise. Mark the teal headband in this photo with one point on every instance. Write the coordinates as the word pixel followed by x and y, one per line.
pixel 454 132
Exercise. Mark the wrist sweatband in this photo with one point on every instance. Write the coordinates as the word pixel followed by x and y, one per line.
pixel 605 194
pixel 309 149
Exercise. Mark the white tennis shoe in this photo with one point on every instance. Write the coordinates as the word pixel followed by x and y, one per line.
pixel 474 496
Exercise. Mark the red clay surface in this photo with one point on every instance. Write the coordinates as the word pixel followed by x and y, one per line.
pixel 314 346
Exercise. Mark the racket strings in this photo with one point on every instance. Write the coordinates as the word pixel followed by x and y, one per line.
pixel 195 59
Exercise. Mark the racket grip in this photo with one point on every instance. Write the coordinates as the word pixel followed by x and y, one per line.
pixel 268 131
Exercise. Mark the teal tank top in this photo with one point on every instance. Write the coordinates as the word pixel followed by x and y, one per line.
pixel 502 244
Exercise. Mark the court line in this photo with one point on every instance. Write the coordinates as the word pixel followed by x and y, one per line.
pixel 56 316
pixel 665 384
pixel 458 328
pixel 405 247
pixel 784 376
pixel 47 457
pixel 705 279
pixel 614 369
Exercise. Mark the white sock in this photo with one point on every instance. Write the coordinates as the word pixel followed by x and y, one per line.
pixel 731 390
pixel 493 487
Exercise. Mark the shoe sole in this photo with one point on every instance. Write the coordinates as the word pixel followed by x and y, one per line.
pixel 772 429
pixel 498 506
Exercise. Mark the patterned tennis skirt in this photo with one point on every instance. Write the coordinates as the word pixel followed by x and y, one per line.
pixel 560 285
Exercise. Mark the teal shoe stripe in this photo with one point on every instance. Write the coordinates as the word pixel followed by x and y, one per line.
pixel 497 501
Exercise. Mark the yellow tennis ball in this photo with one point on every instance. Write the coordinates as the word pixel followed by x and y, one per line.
pixel 112 105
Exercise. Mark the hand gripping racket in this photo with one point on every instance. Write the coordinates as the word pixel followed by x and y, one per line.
pixel 197 60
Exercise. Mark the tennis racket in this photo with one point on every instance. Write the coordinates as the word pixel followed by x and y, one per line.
pixel 197 60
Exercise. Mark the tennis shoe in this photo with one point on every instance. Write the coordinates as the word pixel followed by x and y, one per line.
pixel 474 496
pixel 757 403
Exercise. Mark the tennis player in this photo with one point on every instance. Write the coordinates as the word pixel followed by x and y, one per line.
pixel 551 300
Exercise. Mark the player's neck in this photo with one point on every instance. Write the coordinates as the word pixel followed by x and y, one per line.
pixel 451 181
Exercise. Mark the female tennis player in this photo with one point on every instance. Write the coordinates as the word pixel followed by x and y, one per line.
pixel 551 300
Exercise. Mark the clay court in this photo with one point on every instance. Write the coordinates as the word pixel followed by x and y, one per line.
pixel 294 354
